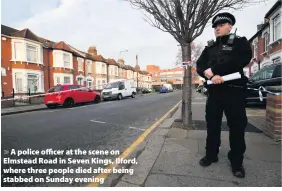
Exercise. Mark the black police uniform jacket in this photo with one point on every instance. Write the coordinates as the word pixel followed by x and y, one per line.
pixel 224 58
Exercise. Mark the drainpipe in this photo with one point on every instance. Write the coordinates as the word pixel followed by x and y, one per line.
pixel 49 82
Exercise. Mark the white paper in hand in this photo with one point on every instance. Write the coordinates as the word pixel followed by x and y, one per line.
pixel 228 77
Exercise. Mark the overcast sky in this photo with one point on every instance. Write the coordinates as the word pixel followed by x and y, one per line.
pixel 111 26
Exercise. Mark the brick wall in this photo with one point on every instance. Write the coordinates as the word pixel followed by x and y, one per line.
pixel 273 116
pixel 6 56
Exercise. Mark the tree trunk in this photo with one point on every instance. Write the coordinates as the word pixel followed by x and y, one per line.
pixel 187 88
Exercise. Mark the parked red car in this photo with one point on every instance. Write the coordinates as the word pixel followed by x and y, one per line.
pixel 78 94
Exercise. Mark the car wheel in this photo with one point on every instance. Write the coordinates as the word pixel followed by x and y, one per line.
pixel 97 99
pixel 133 95
pixel 69 102
pixel 119 97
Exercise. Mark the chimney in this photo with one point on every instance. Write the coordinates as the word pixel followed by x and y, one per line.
pixel 137 67
pixel 120 61
pixel 92 50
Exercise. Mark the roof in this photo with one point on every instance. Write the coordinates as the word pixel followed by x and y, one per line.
pixel 5 30
pixel 99 58
pixel 26 33
pixel 111 61
pixel 65 47
pixel 47 42
pixel 62 46
pixel 259 31
pixel 273 8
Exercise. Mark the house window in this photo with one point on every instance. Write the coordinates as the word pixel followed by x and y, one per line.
pixel 80 64
pixel 31 52
pixel 19 82
pixel 89 69
pixel 17 47
pixel 57 80
pixel 32 82
pixel 104 69
pixel 66 60
pixel 276 27
pixel 80 81
pixel 89 83
pixel 66 80
pixel 255 49
pixel 99 84
pixel 266 41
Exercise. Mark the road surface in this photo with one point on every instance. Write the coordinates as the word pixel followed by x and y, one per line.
pixel 112 125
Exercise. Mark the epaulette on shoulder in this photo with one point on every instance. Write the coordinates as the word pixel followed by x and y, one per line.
pixel 210 43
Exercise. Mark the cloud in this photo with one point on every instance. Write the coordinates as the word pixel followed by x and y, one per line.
pixel 112 25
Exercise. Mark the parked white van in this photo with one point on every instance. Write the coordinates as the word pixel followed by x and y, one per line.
pixel 118 90
pixel 169 87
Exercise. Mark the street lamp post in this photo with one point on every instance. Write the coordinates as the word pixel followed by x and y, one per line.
pixel 119 63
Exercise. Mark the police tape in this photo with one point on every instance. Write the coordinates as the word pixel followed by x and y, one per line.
pixel 262 89
pixel 59 92
pixel 40 95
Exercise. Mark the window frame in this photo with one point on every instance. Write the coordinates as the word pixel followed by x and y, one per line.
pixel 27 51
pixel 69 61
pixel 277 17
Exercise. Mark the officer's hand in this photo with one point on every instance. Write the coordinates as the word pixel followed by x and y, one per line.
pixel 208 73
pixel 217 79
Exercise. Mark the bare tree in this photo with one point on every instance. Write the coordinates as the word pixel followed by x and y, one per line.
pixel 185 20
pixel 196 50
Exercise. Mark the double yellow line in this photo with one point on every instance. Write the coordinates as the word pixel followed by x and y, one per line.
pixel 132 147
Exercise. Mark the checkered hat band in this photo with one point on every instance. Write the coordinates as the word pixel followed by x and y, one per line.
pixel 222 18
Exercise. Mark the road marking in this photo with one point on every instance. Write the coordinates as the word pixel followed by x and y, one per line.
pixel 97 121
pixel 137 128
pixel 132 147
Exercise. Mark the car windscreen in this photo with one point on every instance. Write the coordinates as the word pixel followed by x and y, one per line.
pixel 56 89
pixel 112 85
pixel 277 72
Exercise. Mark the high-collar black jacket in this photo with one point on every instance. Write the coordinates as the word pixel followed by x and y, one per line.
pixel 224 58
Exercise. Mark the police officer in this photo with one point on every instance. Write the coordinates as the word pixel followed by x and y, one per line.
pixel 228 54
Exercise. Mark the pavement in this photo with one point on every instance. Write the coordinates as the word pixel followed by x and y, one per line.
pixel 171 156
pixel 110 125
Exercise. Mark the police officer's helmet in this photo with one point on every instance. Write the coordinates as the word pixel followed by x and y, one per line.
pixel 222 18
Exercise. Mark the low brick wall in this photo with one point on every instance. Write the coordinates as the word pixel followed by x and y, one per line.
pixel 6 104
pixel 37 100
pixel 273 116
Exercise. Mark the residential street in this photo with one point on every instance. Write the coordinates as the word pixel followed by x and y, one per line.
pixel 108 125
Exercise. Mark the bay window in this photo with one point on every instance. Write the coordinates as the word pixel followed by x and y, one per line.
pixel 27 51
pixel 62 59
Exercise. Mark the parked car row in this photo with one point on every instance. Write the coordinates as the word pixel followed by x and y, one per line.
pixel 69 95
